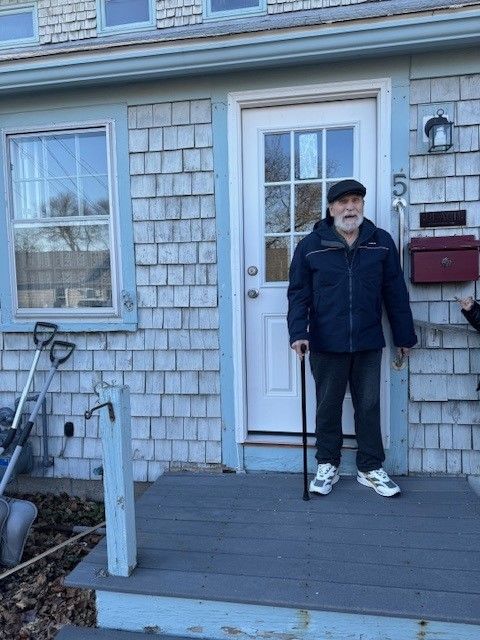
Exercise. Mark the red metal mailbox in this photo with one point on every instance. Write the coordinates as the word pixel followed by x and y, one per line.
pixel 445 259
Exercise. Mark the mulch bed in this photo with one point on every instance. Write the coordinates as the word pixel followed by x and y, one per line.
pixel 34 603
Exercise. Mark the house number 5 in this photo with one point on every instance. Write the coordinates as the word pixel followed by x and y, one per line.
pixel 399 184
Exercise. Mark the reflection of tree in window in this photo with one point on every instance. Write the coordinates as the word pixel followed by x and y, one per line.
pixel 277 157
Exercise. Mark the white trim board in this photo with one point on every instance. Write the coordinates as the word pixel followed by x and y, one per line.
pixel 380 89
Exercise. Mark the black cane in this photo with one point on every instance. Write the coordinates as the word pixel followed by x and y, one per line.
pixel 306 494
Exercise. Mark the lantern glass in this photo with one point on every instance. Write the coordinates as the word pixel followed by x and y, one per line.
pixel 439 132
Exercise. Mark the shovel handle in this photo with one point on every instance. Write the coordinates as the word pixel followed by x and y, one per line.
pixel 68 347
pixel 43 333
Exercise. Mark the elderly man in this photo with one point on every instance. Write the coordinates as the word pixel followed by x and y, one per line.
pixel 339 277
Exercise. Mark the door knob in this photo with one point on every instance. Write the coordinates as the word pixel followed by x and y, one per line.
pixel 253 293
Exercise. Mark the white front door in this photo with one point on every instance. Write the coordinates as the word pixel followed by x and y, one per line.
pixel 291 156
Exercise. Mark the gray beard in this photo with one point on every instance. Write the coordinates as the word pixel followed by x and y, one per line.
pixel 348 227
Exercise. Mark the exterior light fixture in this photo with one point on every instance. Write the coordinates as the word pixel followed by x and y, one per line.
pixel 439 132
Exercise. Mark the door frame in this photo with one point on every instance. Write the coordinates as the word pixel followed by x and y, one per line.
pixel 378 88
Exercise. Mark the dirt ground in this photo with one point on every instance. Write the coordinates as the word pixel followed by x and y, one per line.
pixel 34 603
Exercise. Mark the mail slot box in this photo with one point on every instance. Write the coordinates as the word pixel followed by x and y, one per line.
pixel 446 259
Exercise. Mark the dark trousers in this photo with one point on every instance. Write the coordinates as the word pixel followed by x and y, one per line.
pixel 331 372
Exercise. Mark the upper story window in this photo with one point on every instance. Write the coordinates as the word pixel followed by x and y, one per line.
pixel 215 9
pixel 18 25
pixel 125 15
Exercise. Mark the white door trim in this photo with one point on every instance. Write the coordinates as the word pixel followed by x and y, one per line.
pixel 380 89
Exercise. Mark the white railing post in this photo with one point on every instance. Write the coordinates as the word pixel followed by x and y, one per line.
pixel 118 480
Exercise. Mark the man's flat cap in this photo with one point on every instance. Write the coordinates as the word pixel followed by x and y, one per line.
pixel 345 187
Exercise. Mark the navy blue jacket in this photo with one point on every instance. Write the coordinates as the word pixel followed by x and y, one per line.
pixel 473 316
pixel 335 294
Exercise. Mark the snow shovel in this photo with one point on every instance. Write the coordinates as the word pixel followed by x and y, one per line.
pixel 22 513
pixel 43 334
pixel 306 494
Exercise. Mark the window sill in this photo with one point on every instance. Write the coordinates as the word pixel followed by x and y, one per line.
pixel 233 15
pixel 70 326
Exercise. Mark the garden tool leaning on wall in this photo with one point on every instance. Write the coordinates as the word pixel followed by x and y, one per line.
pixel 17 516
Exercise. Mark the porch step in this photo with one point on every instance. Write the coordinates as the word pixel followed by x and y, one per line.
pixel 90 633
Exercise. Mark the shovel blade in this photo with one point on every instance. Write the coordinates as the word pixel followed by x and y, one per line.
pixel 15 531
pixel 4 511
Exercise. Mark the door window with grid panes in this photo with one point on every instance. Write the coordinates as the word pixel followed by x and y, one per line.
pixel 300 167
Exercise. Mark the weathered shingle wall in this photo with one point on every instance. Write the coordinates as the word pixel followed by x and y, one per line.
pixel 61 21
pixel 175 239
pixel 171 364
pixel 65 20
pixel 445 409
pixel 177 13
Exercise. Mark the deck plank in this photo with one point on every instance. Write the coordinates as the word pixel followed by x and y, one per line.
pixel 251 539
pixel 392 556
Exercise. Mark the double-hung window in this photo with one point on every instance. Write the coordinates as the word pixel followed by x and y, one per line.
pixel 18 25
pixel 125 15
pixel 63 226
pixel 218 9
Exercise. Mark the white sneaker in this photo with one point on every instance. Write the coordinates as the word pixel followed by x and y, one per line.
pixel 327 475
pixel 379 481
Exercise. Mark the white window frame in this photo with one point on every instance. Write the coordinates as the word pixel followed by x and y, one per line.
pixel 76 315
pixel 21 8
pixel 104 29
pixel 208 14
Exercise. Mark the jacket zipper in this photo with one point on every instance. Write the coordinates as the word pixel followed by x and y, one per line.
pixel 351 304
pixel 350 291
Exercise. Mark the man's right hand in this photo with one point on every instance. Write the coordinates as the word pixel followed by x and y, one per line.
pixel 466 303
pixel 297 347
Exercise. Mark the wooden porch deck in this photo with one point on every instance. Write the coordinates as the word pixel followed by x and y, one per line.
pixel 248 545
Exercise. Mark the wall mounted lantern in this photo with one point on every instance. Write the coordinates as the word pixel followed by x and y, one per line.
pixel 439 132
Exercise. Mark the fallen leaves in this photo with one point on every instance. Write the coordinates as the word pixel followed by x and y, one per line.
pixel 34 603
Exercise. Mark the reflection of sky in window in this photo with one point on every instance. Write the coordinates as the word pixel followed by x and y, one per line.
pixel 232 5
pixel 118 12
pixel 60 155
pixel 15 26
pixel 339 153
pixel 64 174
pixel 93 155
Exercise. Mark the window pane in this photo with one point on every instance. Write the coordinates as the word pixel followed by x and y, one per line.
pixel 308 155
pixel 308 203
pixel 60 155
pixel 118 12
pixel 62 199
pixel 59 175
pixel 94 194
pixel 92 153
pixel 277 157
pixel 340 153
pixel 277 209
pixel 277 259
pixel 28 200
pixel 63 266
pixel 26 157
pixel 16 26
pixel 232 5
